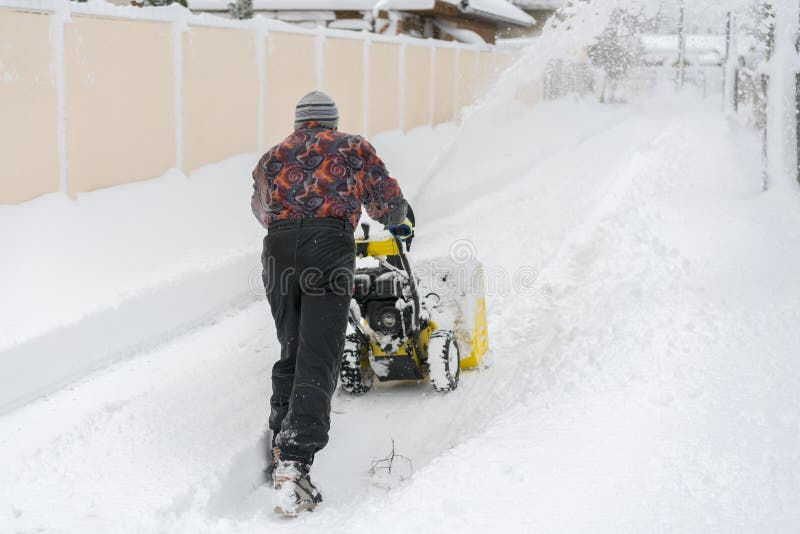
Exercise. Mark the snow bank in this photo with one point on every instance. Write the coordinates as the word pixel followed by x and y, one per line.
pixel 448 184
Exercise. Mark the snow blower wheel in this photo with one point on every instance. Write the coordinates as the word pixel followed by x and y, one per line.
pixel 356 378
pixel 444 360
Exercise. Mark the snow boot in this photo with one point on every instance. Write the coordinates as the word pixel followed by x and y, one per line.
pixel 272 462
pixel 294 492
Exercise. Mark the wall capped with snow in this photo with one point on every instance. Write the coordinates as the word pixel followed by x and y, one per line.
pixel 100 95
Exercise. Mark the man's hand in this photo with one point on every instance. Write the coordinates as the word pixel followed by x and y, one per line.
pixel 404 230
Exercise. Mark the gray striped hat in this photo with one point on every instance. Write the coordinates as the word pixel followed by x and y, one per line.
pixel 318 107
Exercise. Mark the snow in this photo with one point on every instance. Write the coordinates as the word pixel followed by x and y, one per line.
pixel 695 44
pixel 648 382
pixel 642 308
pixel 661 386
pixel 136 235
pixel 460 34
pixel 516 43
pixel 496 8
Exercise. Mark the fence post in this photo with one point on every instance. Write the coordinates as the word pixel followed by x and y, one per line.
pixel 432 88
pixel 457 85
pixel 59 18
pixel 726 62
pixel 261 57
pixel 401 79
pixel 178 27
pixel 320 60
pixel 366 57
pixel 797 120
pixel 797 99
pixel 764 96
pixel 682 46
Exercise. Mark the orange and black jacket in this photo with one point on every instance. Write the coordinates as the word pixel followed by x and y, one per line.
pixel 318 172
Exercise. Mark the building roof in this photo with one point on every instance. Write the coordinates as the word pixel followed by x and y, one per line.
pixel 315 5
pixel 700 49
pixel 497 9
pixel 539 4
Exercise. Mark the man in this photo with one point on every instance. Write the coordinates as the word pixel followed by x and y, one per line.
pixel 308 193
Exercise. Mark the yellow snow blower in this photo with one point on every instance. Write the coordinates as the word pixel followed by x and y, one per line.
pixel 406 324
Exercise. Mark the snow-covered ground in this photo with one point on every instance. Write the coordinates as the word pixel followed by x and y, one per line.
pixel 643 321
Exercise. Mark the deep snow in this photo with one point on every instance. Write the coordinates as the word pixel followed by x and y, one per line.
pixel 644 345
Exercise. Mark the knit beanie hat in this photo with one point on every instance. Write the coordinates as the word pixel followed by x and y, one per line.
pixel 318 107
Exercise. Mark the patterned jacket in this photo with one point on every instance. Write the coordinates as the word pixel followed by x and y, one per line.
pixel 319 172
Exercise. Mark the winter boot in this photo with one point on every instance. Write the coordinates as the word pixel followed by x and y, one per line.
pixel 272 462
pixel 294 492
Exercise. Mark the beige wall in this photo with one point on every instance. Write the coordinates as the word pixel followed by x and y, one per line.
pixel 384 88
pixel 343 79
pixel 28 114
pixel 220 95
pixel 119 94
pixel 289 57
pixel 417 91
pixel 443 106
pixel 120 101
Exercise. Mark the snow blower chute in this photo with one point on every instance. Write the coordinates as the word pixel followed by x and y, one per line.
pixel 408 323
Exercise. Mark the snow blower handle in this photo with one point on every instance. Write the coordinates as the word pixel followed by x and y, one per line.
pixel 412 281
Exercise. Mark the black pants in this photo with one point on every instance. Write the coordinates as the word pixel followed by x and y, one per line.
pixel 308 275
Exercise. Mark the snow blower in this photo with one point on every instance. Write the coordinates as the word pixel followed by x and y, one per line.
pixel 409 325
